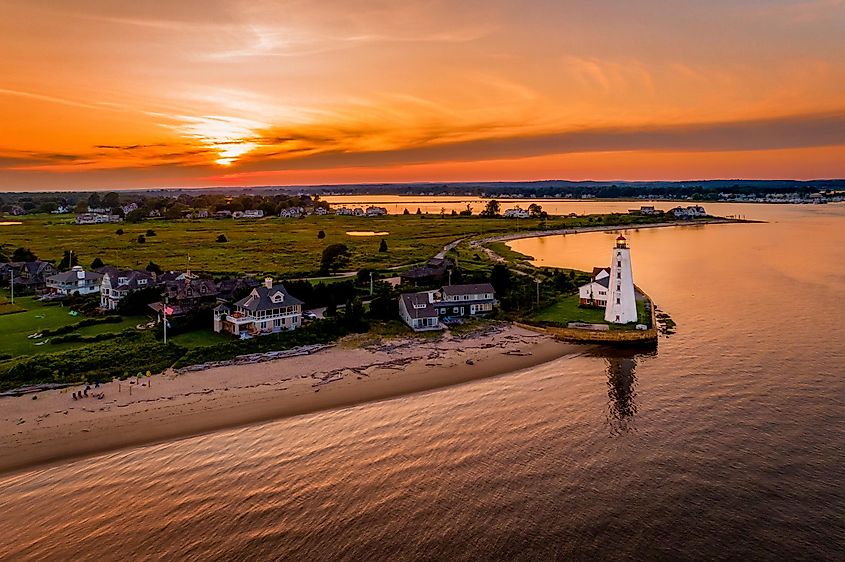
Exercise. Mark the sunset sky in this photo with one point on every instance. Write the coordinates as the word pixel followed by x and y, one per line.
pixel 145 93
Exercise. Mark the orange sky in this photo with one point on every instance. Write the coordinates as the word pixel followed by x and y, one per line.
pixel 113 94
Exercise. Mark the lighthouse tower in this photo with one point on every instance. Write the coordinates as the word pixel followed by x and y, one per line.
pixel 621 305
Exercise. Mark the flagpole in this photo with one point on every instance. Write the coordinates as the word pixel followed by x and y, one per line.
pixel 164 311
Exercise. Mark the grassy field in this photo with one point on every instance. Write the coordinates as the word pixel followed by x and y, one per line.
pixel 16 328
pixel 567 310
pixel 272 245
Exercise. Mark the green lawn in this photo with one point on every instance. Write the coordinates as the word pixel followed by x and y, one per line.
pixel 200 338
pixel 567 310
pixel 15 327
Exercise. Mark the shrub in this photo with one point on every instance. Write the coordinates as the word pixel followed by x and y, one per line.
pixel 151 232
pixel 321 235
pixel 222 238
pixel 119 232
pixel 141 239
pixel 97 263
pixel 383 246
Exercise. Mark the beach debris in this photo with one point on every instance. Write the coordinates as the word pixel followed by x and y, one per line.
pixel 470 362
pixel 257 357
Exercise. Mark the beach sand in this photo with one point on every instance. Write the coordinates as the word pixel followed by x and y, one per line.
pixel 54 427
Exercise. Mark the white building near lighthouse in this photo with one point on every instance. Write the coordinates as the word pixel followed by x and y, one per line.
pixel 621 305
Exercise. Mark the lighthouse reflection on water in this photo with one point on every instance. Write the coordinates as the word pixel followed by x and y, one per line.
pixel 621 369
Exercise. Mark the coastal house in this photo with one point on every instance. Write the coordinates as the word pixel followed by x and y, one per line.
pixel 432 273
pixel 690 212
pixel 422 311
pixel 594 293
pixel 77 280
pixel 186 294
pixel 223 214
pixel 230 289
pixel 97 218
pixel 253 214
pixel 321 211
pixel 116 284
pixel 465 300
pixel 358 212
pixel 29 277
pixel 417 311
pixel 266 309
pixel 292 213
pixel 17 210
pixel 343 211
pixel 129 208
pixel 644 210
pixel 516 213
pixel 375 211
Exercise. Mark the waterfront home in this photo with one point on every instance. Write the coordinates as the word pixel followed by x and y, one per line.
pixel 223 214
pixel 594 293
pixel 253 214
pixel 375 211
pixel 129 208
pixel 266 309
pixel 433 272
pixel 320 211
pixel 465 300
pixel 29 277
pixel 417 312
pixel 343 211
pixel 292 213
pixel 229 289
pixel 516 213
pixel 97 218
pixel 690 212
pixel 422 311
pixel 358 212
pixel 116 284
pixel 186 294
pixel 644 210
pixel 17 210
pixel 77 280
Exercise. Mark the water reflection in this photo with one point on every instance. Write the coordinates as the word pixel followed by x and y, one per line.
pixel 621 367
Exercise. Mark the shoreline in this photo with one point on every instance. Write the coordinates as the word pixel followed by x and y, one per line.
pixel 54 428
pixel 607 228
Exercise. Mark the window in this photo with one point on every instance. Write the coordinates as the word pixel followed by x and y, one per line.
pixel 619 275
pixel 618 300
pixel 619 264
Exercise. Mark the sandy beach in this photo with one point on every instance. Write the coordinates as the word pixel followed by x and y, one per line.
pixel 55 427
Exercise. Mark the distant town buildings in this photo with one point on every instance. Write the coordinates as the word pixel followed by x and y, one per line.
pixel 97 218
pixel 516 213
pixel 376 211
pixel 690 212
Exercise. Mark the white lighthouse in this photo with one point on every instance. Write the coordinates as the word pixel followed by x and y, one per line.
pixel 621 305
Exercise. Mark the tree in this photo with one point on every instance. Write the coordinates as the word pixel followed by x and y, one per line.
pixel 405 212
pixel 334 257
pixel 321 235
pixel 535 211
pixel 151 232
pixel 81 207
pixel 23 254
pixel 383 246
pixel 136 216
pixel 222 238
pixel 97 263
pixel 141 239
pixel 454 213
pixel 419 211
pixel 493 209
pixel 467 212
pixel 500 278
pixel 69 259
pixel 119 232
pixel 94 201
pixel 153 267
pixel 111 199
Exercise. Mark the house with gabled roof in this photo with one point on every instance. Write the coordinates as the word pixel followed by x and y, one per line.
pixel 465 300
pixel 417 311
pixel 266 309
pixel 116 284
pixel 594 293
pixel 77 280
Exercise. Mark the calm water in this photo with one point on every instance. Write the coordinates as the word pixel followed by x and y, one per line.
pixel 727 444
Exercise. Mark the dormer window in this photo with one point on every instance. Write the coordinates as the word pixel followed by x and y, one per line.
pixel 203 289
pixel 189 292
pixel 277 297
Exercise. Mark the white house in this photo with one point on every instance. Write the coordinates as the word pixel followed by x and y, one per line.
pixel 375 211
pixel 77 280
pixel 516 213
pixel 358 212
pixel 96 218
pixel 594 293
pixel 116 284
pixel 292 213
pixel 320 211
pixel 418 313
pixel 688 212
pixel 343 211
pixel 253 214
pixel 266 309
pixel 621 305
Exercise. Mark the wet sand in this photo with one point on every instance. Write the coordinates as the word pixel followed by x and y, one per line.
pixel 55 427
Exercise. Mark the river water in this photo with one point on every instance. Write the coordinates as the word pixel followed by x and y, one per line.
pixel 727 443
